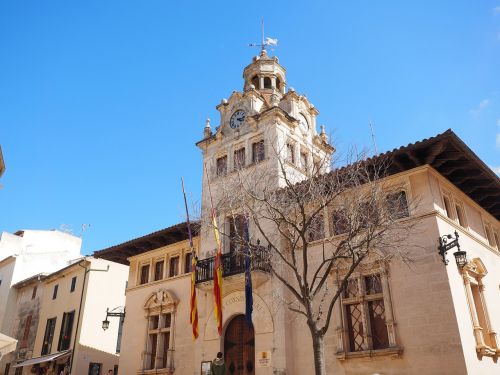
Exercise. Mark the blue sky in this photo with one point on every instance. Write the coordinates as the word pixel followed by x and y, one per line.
pixel 101 102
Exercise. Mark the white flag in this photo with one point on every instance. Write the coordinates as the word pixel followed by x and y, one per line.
pixel 271 42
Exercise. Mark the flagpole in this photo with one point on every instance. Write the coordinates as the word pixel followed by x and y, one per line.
pixel 217 271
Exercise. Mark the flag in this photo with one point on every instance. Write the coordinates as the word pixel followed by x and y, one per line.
pixel 271 42
pixel 217 277
pixel 194 306
pixel 193 317
pixel 248 277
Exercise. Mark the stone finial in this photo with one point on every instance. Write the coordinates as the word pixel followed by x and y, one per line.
pixel 207 131
pixel 275 99
pixel 223 101
pixel 322 134
pixel 291 89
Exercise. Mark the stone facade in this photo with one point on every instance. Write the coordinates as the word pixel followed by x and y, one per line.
pixel 438 319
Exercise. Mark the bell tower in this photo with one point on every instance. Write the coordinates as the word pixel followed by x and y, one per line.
pixel 266 136
pixel 265 132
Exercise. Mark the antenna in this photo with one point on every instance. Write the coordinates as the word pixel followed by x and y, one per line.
pixel 373 137
pixel 265 41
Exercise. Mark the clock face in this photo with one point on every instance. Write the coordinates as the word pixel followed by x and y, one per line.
pixel 304 125
pixel 237 119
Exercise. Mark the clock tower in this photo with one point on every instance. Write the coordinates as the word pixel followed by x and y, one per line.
pixel 266 132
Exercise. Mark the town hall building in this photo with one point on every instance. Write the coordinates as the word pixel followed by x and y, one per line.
pixel 425 318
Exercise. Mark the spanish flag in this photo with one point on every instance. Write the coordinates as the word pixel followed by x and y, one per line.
pixel 217 277
pixel 193 317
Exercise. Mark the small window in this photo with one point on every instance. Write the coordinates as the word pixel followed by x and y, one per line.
pixel 397 205
pixel 73 284
pixel 460 216
pixel 447 206
pixel 95 368
pixel 188 262
pixel 239 158
pixel 54 292
pixel 159 270
pixel 316 230
pixel 258 153
pixel 255 82
pixel 33 294
pixel 174 266
pixel 340 222
pixel 267 83
pixel 303 161
pixel 290 154
pixel 144 274
pixel 221 166
pixel 66 331
pixel 48 336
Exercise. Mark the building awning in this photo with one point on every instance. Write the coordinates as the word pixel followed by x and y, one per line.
pixel 7 344
pixel 44 358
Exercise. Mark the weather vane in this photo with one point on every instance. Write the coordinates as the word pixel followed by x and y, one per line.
pixel 265 41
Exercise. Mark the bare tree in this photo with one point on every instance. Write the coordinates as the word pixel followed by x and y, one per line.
pixel 320 230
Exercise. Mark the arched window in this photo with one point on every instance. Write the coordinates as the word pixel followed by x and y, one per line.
pixel 278 84
pixel 486 341
pixel 255 82
pixel 267 83
pixel 160 321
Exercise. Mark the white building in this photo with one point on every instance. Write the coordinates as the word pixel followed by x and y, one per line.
pixel 24 254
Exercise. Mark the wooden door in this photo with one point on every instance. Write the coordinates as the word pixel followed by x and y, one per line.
pixel 239 347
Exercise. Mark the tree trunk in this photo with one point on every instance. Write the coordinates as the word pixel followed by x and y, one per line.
pixel 319 353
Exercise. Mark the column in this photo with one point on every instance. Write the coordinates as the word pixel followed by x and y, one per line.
pixel 389 317
pixel 337 320
pixel 478 331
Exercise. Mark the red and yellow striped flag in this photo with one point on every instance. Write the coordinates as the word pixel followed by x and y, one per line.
pixel 217 277
pixel 193 317
pixel 194 306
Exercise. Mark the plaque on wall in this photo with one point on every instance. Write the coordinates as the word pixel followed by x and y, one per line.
pixel 264 359
pixel 205 368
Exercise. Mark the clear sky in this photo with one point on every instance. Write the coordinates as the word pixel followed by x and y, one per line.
pixel 101 102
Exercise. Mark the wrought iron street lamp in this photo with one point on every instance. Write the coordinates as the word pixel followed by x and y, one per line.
pixel 112 313
pixel 445 245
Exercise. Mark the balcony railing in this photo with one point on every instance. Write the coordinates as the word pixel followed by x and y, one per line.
pixel 233 264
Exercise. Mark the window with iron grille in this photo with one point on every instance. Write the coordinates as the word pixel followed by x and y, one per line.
pixel 365 313
pixel 158 343
pixel 258 153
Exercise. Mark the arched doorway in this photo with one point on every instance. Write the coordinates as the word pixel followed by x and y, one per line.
pixel 239 347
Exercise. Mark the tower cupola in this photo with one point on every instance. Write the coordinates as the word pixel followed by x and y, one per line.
pixel 265 75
